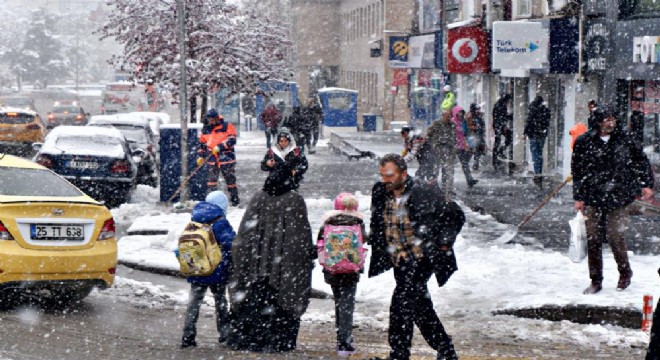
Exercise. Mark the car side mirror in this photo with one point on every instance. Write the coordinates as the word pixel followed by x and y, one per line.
pixel 37 146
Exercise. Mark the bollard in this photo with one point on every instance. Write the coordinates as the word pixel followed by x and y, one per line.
pixel 647 313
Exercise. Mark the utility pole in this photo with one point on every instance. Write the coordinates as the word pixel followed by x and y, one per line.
pixel 183 97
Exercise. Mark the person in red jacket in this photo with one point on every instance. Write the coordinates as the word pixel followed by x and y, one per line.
pixel 271 117
pixel 218 139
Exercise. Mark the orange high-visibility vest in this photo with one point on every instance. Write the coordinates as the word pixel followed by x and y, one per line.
pixel 576 131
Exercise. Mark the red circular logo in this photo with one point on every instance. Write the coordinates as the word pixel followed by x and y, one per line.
pixel 465 50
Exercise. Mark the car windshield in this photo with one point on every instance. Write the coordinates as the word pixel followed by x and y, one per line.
pixel 96 143
pixel 16 118
pixel 34 182
pixel 63 109
pixel 15 101
pixel 133 134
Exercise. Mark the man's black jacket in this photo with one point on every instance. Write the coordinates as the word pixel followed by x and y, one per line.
pixel 436 223
pixel 609 174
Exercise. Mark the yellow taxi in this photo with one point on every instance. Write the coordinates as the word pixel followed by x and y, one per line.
pixel 55 242
pixel 19 128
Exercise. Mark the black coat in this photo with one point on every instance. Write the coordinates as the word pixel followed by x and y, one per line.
pixel 280 180
pixel 501 118
pixel 609 174
pixel 435 221
pixel 538 120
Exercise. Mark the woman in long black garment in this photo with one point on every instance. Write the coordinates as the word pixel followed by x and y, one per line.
pixel 273 257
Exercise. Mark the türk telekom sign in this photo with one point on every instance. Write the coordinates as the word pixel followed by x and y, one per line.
pixel 519 45
pixel 468 50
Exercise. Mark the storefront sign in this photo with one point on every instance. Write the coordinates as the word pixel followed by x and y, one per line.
pixel 564 46
pixel 398 51
pixel 400 77
pixel 596 40
pixel 421 53
pixel 519 45
pixel 645 96
pixel 646 49
pixel 467 50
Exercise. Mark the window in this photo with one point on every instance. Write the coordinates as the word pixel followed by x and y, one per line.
pixel 34 182
pixel 522 9
pixel 430 15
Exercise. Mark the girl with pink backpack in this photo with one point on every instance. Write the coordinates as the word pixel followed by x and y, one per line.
pixel 340 245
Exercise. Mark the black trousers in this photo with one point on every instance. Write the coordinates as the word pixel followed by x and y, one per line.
pixel 412 304
pixel 498 148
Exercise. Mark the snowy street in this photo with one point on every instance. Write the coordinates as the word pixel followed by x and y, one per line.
pixel 491 277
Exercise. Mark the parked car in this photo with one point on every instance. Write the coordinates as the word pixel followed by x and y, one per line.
pixel 97 160
pixel 19 102
pixel 139 135
pixel 56 243
pixel 156 120
pixel 66 113
pixel 19 128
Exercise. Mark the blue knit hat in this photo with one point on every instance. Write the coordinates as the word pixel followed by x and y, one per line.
pixel 218 198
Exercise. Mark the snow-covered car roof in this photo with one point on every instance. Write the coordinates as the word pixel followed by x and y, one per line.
pixel 119 119
pixel 331 89
pixel 85 140
pixel 6 109
pixel 164 117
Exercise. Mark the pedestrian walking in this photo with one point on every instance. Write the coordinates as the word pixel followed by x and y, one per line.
pixel 417 148
pixel 476 137
pixel 313 113
pixel 449 100
pixel 463 151
pixel 218 139
pixel 286 165
pixel 297 127
pixel 413 229
pixel 502 127
pixel 271 117
pixel 636 126
pixel 273 256
pixel 343 285
pixel 441 134
pixel 212 211
pixel 536 130
pixel 592 105
pixel 609 171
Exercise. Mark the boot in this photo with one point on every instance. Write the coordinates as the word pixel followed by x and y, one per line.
pixel 233 196
pixel 595 287
pixel 624 282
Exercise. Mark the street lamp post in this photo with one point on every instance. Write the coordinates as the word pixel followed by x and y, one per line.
pixel 183 97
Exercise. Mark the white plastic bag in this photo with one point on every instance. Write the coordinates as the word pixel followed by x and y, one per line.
pixel 577 245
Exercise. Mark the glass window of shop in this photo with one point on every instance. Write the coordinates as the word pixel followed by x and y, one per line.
pixel 644 121
pixel 430 17
pixel 639 8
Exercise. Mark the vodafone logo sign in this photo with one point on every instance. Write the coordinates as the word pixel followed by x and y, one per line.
pixel 468 50
pixel 465 50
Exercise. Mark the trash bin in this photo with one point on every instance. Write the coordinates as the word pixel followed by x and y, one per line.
pixel 369 122
pixel 170 162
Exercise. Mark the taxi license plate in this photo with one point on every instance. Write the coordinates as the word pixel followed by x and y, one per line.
pixel 83 165
pixel 56 232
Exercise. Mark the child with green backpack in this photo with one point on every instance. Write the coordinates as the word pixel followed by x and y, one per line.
pixel 211 212
pixel 340 244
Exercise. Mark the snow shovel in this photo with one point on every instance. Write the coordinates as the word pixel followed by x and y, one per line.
pixel 512 232
pixel 186 180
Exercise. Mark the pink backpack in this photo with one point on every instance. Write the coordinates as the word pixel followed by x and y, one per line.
pixel 341 250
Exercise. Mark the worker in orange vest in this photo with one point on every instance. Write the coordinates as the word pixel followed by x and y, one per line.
pixel 218 139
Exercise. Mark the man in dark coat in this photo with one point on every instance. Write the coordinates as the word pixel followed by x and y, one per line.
pixel 536 130
pixel 417 148
pixel 313 114
pixel 502 124
pixel 413 229
pixel 610 170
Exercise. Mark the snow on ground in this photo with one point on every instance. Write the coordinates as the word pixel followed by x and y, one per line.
pixel 490 277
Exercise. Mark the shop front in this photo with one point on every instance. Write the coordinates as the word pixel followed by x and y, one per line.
pixel 637 71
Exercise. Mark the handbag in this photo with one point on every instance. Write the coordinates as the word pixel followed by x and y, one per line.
pixel 577 245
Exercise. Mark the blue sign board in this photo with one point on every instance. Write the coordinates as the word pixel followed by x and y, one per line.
pixel 563 54
pixel 398 52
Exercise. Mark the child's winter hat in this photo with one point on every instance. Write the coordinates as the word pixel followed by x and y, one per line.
pixel 218 198
pixel 346 201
